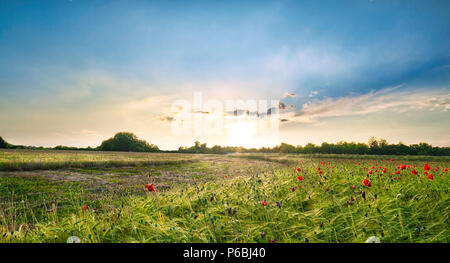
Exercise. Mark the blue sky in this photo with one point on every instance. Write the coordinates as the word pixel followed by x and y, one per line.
pixel 68 67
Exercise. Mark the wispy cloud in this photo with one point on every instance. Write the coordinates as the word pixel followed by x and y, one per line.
pixel 395 99
pixel 313 93
pixel 289 94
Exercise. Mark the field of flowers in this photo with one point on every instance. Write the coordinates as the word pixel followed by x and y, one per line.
pixel 236 198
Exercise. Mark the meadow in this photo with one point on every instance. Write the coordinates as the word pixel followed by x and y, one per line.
pixel 49 196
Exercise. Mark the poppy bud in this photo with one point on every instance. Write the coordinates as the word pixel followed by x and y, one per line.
pixel 263 234
pixel 230 211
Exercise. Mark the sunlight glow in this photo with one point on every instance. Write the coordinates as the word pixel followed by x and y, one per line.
pixel 242 133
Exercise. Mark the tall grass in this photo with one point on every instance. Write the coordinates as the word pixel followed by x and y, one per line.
pixel 396 208
pixel 28 160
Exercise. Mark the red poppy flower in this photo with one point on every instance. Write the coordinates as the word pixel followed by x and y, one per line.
pixel 320 172
pixel 263 202
pixel 397 172
pixel 426 167
pixel 150 187
pixel 430 176
pixel 226 176
pixel 318 168
pixel 299 187
pixel 366 182
pixel 414 172
pixel 446 169
pixel 384 170
pixel 403 166
pixel 298 169
pixel 300 178
pixel 84 207
pixel 392 159
pixel 370 172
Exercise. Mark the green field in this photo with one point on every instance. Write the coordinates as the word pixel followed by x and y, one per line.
pixel 48 196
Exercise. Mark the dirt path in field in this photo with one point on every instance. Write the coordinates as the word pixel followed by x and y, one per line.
pixel 163 176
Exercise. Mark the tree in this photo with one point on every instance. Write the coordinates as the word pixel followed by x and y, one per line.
pixel 425 149
pixel 3 143
pixel 310 148
pixel 127 142
pixel 286 148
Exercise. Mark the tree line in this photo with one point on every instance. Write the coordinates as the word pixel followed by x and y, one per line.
pixel 121 142
pixel 128 142
pixel 373 147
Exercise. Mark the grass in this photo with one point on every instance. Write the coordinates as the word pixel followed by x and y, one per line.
pixel 201 205
pixel 29 160
pixel 286 158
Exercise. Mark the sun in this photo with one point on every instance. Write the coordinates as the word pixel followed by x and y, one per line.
pixel 242 133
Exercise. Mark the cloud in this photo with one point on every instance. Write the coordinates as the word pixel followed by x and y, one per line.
pixel 390 99
pixel 154 103
pixel 313 93
pixel 289 94
pixel 167 118
pixel 90 133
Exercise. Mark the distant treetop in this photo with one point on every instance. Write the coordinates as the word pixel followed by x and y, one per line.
pixel 127 142
pixel 3 143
